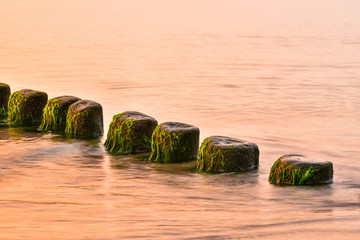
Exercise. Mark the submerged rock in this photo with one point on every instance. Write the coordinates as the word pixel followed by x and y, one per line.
pixel 294 169
pixel 26 107
pixel 130 132
pixel 55 111
pixel 174 142
pixel 226 154
pixel 85 119
pixel 4 99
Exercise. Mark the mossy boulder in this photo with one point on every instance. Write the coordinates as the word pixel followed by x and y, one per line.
pixel 85 119
pixel 174 142
pixel 295 169
pixel 130 132
pixel 26 106
pixel 225 154
pixel 55 111
pixel 4 99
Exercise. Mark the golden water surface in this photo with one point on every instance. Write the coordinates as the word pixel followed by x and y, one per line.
pixel 282 74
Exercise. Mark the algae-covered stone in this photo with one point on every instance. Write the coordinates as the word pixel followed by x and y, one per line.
pixel 174 142
pixel 226 154
pixel 130 132
pixel 295 169
pixel 4 98
pixel 85 119
pixel 26 107
pixel 55 111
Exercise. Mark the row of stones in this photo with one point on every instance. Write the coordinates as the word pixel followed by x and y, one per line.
pixel 169 142
pixel 61 114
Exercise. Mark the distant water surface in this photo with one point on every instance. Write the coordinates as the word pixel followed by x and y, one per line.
pixel 282 74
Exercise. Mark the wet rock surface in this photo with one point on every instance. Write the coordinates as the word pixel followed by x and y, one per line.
pixel 130 132
pixel 174 142
pixel 5 92
pixel 296 169
pixel 55 111
pixel 26 106
pixel 85 119
pixel 226 154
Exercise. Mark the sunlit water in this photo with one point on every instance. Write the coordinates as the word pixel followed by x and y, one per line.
pixel 282 74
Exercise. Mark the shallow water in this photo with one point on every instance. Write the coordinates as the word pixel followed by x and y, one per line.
pixel 285 75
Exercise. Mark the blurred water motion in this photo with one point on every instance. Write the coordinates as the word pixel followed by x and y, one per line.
pixel 285 75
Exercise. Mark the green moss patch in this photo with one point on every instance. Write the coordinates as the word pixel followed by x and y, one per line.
pixel 4 99
pixel 130 132
pixel 174 142
pixel 224 154
pixel 26 106
pixel 294 169
pixel 55 111
pixel 84 119
pixel 3 112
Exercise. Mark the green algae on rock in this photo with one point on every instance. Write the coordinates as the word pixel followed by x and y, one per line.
pixel 85 119
pixel 26 107
pixel 130 132
pixel 174 142
pixel 295 169
pixel 4 99
pixel 225 154
pixel 55 111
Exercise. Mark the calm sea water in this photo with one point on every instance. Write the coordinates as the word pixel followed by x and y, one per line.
pixel 282 74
